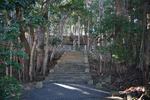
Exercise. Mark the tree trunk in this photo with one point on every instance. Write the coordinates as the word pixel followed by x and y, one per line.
pixel 46 53
pixel 53 53
pixel 88 44
pixel 100 34
pixel 45 61
pixel 27 50
pixel 26 44
pixel 40 54
pixel 79 33
pixel 75 30
pixel 106 56
pixel 85 28
pixel 31 37
pixel 11 68
pixel 32 59
pixel 145 47
pixel 100 11
pixel 19 71
pixel 22 62
pixel 41 36
pixel 5 26
pixel 120 11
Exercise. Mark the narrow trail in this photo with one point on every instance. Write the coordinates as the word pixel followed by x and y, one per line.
pixel 68 81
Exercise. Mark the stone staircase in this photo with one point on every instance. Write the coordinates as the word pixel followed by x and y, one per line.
pixel 72 67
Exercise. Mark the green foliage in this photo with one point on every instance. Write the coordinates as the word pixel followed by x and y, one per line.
pixel 11 4
pixel 73 5
pixel 55 41
pixel 34 21
pixel 10 39
pixel 124 33
pixel 10 46
pixel 74 8
pixel 9 88
pixel 129 33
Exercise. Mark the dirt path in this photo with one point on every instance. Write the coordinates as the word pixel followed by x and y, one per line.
pixel 68 91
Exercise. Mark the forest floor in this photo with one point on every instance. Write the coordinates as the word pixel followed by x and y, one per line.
pixel 131 78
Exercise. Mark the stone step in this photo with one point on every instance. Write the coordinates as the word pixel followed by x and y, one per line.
pixel 72 63
pixel 60 72
pixel 71 68
pixel 65 77
pixel 66 81
pixel 67 70
pixel 69 74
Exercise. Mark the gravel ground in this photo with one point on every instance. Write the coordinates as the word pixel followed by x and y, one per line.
pixel 67 91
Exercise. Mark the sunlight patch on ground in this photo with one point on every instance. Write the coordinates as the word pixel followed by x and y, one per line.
pixel 91 88
pixel 115 98
pixel 72 88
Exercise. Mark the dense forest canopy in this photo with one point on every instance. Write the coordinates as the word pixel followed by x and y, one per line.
pixel 29 29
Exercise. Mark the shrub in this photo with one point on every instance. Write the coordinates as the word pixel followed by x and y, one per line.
pixel 9 88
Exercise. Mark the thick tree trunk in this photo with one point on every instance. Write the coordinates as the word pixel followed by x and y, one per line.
pixel 145 60
pixel 27 50
pixel 40 54
pixel 32 34
pixel 120 11
pixel 41 36
pixel 45 61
